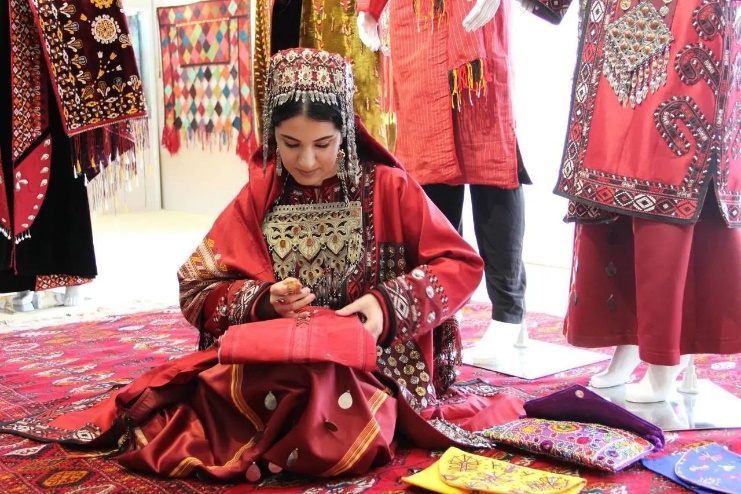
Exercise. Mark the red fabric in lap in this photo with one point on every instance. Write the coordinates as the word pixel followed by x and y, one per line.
pixel 323 337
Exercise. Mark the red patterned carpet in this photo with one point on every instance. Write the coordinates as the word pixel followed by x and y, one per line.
pixel 44 367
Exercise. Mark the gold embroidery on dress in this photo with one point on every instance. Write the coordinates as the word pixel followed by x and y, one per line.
pixel 320 244
pixel 637 53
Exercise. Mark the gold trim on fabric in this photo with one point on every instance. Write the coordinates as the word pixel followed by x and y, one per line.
pixel 320 244
pixel 364 439
pixel 238 399
pixel 186 465
pixel 263 26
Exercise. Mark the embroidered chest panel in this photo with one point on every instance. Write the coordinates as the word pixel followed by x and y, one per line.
pixel 679 59
pixel 320 244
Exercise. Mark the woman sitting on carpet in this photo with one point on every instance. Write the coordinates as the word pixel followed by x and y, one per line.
pixel 328 220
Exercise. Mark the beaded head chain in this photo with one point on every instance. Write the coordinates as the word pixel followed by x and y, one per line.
pixel 304 74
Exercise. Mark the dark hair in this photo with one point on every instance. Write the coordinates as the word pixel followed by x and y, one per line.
pixel 314 110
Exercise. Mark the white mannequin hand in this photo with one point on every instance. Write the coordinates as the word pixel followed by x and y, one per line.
pixel 480 14
pixel 368 31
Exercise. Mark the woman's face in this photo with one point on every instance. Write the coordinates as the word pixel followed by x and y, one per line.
pixel 308 149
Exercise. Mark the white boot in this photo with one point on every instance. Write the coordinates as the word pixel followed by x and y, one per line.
pixel 624 362
pixel 72 295
pixel 658 383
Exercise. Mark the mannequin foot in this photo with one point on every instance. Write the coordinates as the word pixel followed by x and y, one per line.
pixel 623 363
pixel 498 336
pixel 658 383
pixel 25 301
pixel 72 295
pixel 523 337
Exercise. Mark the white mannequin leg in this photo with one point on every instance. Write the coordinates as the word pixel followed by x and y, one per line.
pixel 623 363
pixel 72 295
pixel 689 381
pixel 523 337
pixel 658 383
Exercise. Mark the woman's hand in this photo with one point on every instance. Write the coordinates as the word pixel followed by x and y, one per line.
pixel 288 298
pixel 371 314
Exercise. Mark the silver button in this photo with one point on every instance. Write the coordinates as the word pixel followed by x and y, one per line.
pixel 345 400
pixel 292 458
pixel 271 402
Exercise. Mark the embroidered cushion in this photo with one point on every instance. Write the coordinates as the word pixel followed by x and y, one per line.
pixel 460 472
pixel 592 445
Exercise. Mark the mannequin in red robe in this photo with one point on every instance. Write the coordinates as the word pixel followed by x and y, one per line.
pixel 651 165
pixel 455 127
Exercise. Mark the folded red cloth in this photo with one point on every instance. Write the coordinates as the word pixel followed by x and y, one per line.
pixel 323 337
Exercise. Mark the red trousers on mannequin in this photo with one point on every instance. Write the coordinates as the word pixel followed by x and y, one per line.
pixel 670 289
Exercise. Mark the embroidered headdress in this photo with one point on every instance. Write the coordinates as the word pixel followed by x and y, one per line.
pixel 305 74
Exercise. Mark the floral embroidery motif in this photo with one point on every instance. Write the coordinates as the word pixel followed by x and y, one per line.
pixel 105 29
pixel 92 63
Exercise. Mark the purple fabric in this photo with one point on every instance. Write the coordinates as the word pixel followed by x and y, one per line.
pixel 579 404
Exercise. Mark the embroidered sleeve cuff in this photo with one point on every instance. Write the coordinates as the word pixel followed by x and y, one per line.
pixel 388 334
pixel 243 297
pixel 255 311
pixel 214 312
pixel 400 307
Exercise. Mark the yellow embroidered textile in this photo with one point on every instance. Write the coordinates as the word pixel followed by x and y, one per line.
pixel 261 57
pixel 460 472
pixel 331 25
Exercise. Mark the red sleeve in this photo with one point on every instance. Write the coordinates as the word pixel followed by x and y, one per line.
pixel 372 7
pixel 444 270
pixel 225 276
pixel 231 303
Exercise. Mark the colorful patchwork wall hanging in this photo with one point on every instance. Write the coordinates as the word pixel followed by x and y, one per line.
pixel 206 72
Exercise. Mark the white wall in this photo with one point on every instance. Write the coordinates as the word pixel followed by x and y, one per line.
pixel 544 56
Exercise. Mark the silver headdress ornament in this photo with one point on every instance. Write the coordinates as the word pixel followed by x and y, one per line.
pixel 313 75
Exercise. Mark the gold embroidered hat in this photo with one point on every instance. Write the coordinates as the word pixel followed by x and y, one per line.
pixel 303 74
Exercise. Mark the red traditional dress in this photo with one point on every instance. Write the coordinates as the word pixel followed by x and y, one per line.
pixel 454 122
pixel 195 414
pixel 653 151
